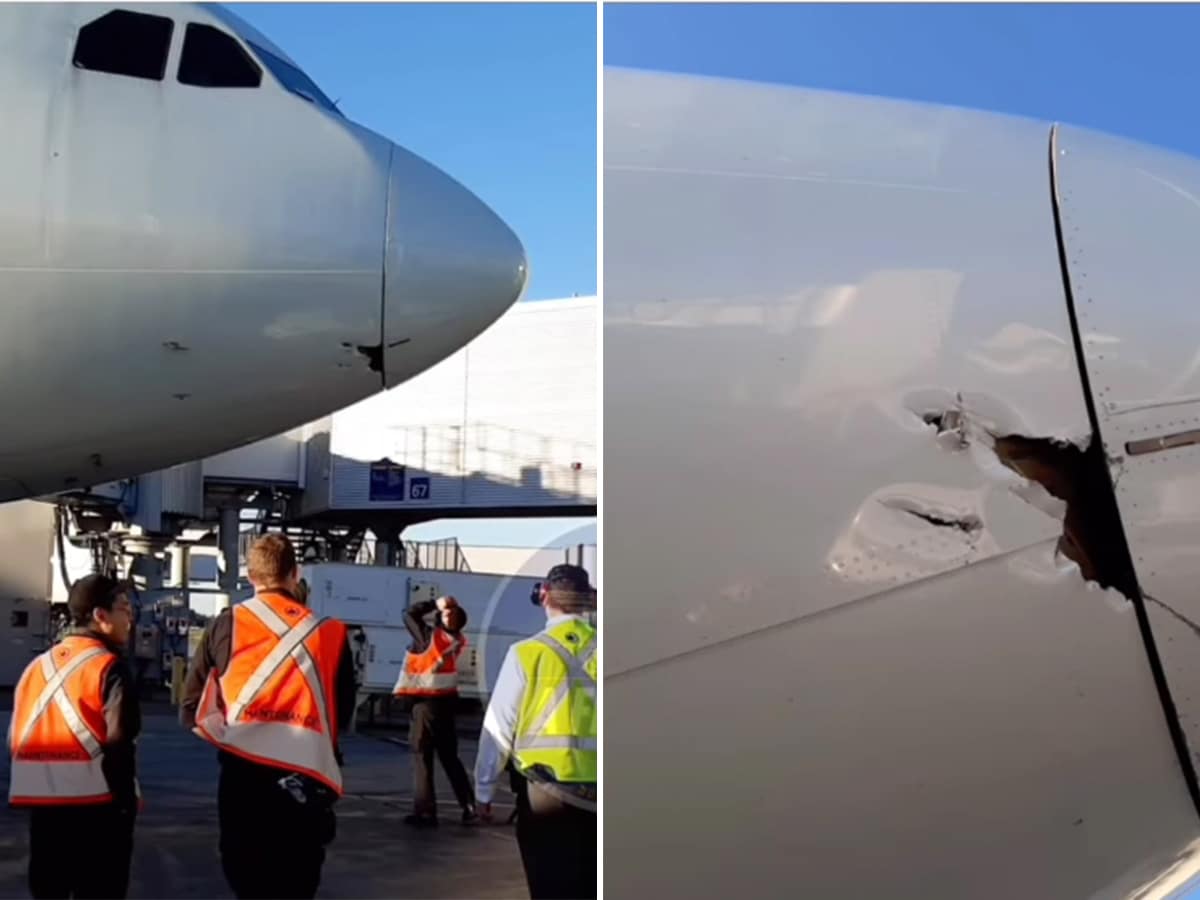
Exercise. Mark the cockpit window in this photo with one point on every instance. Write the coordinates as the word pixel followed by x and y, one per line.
pixel 211 58
pixel 125 43
pixel 293 79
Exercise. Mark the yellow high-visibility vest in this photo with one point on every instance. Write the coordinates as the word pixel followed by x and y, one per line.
pixel 556 726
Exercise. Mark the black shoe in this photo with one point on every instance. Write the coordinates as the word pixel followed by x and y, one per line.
pixel 469 816
pixel 421 821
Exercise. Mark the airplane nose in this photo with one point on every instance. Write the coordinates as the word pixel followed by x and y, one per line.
pixel 451 268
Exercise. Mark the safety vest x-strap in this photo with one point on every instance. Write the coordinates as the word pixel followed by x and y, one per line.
pixel 56 756
pixel 290 646
pixel 273 729
pixel 434 672
pixel 533 736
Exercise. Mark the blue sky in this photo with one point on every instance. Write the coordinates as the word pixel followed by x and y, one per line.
pixel 501 96
pixel 1130 69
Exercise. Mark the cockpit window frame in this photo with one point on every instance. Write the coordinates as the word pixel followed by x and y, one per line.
pixel 239 44
pixel 170 39
pixel 279 67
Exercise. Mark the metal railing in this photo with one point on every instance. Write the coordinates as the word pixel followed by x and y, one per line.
pixel 445 555
pixel 455 450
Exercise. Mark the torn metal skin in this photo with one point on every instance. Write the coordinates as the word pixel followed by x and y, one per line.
pixel 1092 536
pixel 374 353
pixel 966 524
pixel 913 530
pixel 1068 478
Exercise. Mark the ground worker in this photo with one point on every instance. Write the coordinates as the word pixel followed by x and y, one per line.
pixel 72 742
pixel 541 724
pixel 429 678
pixel 272 685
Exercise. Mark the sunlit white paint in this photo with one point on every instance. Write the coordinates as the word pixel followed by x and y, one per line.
pixel 952 714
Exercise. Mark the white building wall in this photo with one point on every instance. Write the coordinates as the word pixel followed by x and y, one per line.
pixel 26 537
pixel 509 420
pixel 527 561
pixel 531 405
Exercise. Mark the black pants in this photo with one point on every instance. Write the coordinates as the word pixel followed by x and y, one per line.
pixel 271 847
pixel 557 841
pixel 433 732
pixel 80 851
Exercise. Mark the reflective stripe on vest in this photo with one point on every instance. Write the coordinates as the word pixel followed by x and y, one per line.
pixel 578 677
pixel 556 730
pixel 66 769
pixel 434 672
pixel 276 740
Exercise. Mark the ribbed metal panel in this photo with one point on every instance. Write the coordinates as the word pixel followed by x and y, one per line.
pixel 275 459
pixel 183 489
pixel 26 549
pixel 26 544
pixel 318 473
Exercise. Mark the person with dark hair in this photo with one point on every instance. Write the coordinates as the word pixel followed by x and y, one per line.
pixel 72 741
pixel 271 686
pixel 430 679
pixel 541 724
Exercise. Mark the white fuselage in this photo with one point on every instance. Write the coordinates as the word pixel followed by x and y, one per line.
pixel 185 269
pixel 852 661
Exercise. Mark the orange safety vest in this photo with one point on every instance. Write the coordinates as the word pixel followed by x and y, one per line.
pixel 57 732
pixel 434 672
pixel 275 703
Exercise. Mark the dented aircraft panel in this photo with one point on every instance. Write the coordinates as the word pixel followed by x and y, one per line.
pixel 803 304
pixel 1135 298
pixel 873 640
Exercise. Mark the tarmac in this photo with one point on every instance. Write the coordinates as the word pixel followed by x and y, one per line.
pixel 374 854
